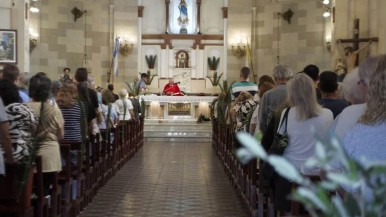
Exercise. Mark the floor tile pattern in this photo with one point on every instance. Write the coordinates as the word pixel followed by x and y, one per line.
pixel 168 179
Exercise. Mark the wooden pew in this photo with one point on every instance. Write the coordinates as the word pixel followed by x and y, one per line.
pixel 10 200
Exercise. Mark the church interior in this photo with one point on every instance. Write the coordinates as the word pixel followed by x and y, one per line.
pixel 184 66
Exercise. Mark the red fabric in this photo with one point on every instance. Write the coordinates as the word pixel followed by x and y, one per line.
pixel 172 90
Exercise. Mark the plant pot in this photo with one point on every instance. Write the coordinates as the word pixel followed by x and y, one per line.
pixel 216 90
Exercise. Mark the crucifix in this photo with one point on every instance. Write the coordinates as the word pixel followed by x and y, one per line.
pixel 352 52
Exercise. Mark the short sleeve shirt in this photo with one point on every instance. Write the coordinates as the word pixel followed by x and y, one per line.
pixel 3 115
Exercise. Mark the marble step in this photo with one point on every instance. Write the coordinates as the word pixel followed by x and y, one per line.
pixel 172 130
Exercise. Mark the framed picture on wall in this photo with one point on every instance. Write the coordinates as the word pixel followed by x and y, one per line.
pixel 8 46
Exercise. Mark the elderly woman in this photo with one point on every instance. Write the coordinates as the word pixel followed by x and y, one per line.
pixel 305 117
pixel 350 115
pixel 124 106
pixel 365 142
pixel 50 126
pixel 21 121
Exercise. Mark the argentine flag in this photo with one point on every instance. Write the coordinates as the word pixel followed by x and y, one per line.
pixel 115 56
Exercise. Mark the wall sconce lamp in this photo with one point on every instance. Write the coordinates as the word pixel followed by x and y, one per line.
pixel 327 12
pixel 33 42
pixel 125 48
pixel 238 50
pixel 33 7
pixel 328 46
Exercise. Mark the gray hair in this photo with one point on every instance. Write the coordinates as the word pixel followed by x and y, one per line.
pixel 123 94
pixel 351 90
pixel 282 72
pixel 302 94
pixel 367 67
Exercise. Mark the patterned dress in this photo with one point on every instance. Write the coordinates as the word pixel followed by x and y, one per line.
pixel 244 112
pixel 22 121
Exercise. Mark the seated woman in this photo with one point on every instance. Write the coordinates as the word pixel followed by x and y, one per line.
pixel 172 89
pixel 49 129
pixel 305 117
pixel 21 121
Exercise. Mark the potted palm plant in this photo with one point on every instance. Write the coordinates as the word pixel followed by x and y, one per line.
pixel 150 61
pixel 213 76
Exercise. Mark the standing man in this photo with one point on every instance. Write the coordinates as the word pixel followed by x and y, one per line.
pixel 313 72
pixel 108 94
pixel 244 85
pixel 142 83
pixel 66 75
pixel 274 98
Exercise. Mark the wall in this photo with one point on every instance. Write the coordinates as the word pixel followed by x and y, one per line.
pixel 372 19
pixel 239 31
pixel 63 42
pixel 297 44
pixel 12 16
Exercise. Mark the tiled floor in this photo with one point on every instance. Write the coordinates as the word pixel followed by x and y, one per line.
pixel 166 179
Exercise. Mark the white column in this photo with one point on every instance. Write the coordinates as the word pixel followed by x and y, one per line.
pixel 111 36
pixel 19 22
pixel 163 61
pixel 381 33
pixel 139 41
pixel 225 47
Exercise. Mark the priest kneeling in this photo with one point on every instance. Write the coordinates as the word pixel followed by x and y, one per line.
pixel 172 89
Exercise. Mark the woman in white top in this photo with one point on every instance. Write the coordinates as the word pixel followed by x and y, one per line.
pixel 306 117
pixel 124 106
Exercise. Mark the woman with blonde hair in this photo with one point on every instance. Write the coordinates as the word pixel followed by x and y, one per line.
pixel 305 118
pixel 365 142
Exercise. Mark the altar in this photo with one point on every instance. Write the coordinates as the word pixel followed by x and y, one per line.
pixel 176 107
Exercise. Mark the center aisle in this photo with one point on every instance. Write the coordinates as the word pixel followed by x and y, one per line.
pixel 168 179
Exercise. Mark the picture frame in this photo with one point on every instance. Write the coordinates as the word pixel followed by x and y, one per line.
pixel 8 46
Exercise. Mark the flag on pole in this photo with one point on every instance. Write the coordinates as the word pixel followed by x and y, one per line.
pixel 115 56
pixel 247 56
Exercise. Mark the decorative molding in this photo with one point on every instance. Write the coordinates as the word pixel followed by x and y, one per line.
pixel 140 11
pixel 167 38
pixel 224 12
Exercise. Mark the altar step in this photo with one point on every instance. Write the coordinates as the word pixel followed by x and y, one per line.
pixel 177 130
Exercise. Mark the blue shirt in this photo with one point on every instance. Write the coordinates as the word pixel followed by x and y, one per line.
pixel 335 105
pixel 243 86
pixel 24 97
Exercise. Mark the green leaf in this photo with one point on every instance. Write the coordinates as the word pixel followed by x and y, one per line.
pixel 285 169
pixel 337 201
pixel 344 179
pixel 312 197
pixel 251 144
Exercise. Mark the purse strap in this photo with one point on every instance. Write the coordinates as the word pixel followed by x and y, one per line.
pixel 285 118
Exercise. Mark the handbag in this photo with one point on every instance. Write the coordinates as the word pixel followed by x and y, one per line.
pixel 279 144
pixel 280 141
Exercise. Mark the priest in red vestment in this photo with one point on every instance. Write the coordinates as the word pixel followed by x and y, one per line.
pixel 172 89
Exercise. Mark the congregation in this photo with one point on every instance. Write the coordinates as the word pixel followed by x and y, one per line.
pixel 100 129
pixel 306 106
